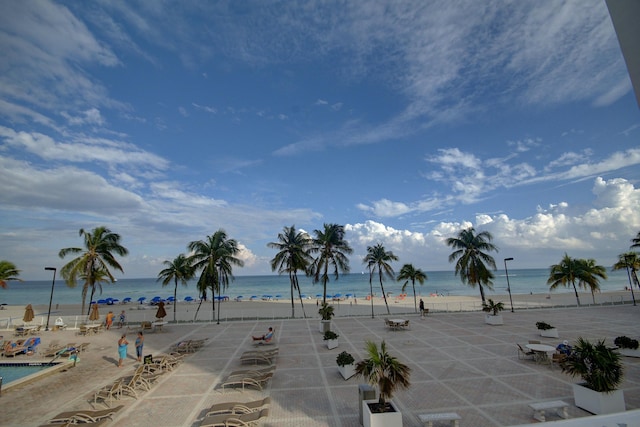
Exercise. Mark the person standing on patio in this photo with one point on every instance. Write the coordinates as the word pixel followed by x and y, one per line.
pixel 122 319
pixel 122 349
pixel 421 308
pixel 139 346
pixel 109 319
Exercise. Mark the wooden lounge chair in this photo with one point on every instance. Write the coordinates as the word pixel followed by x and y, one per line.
pixel 99 423
pixel 12 349
pixel 109 393
pixel 237 407
pixel 85 415
pixel 53 351
pixel 235 420
pixel 243 382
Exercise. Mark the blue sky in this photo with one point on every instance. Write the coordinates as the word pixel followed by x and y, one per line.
pixel 404 121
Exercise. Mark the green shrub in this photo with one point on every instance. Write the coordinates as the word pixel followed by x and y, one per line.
pixel 543 326
pixel 330 335
pixel 344 359
pixel 626 342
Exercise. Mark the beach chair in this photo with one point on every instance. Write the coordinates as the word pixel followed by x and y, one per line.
pixel 258 357
pixel 237 407
pixel 253 372
pixel 235 420
pixel 109 393
pixel 524 354
pixel 256 381
pixel 85 415
pixel 12 349
pixel 83 330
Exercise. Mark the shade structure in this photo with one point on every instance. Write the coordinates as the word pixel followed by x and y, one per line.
pixel 161 313
pixel 95 314
pixel 28 313
pixel 141 299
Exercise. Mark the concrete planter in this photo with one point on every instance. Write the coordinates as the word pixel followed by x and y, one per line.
pixel 549 333
pixel 331 344
pixel 598 403
pixel 325 325
pixel 347 371
pixel 385 419
pixel 490 319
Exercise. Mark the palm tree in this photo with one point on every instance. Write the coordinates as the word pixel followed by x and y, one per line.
pixel 471 259
pixel 378 259
pixel 409 272
pixel 588 274
pixel 332 251
pixel 635 242
pixel 216 257
pixel 631 262
pixel 8 271
pixel 99 277
pixel 564 273
pixel 98 255
pixel 178 270
pixel 293 255
pixel 383 370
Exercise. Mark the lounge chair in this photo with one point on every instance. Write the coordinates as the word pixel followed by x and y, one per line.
pixel 98 423
pixel 12 349
pixel 53 351
pixel 243 382
pixel 524 354
pixel 85 415
pixel 109 393
pixel 253 372
pixel 258 357
pixel 235 420
pixel 237 407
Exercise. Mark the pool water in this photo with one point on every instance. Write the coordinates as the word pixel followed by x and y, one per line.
pixel 14 371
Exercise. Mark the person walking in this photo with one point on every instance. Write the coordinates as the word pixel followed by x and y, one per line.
pixel 139 346
pixel 421 308
pixel 109 320
pixel 122 319
pixel 122 349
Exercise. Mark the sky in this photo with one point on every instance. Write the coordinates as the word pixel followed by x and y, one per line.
pixel 404 121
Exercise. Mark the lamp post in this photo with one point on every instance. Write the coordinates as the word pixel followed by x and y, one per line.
pixel 508 285
pixel 51 297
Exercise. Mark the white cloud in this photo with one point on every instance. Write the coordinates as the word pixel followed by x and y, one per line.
pixel 183 111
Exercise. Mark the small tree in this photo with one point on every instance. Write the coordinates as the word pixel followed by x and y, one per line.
pixel 326 311
pixel 492 307
pixel 599 366
pixel 384 371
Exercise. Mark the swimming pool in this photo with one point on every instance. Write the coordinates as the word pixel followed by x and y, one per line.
pixel 14 373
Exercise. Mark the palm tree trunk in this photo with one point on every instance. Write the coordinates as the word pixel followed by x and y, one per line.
pixel 292 284
pixel 384 295
pixel 198 309
pixel 93 290
pixel 295 278
pixel 324 283
pixel 481 292
pixel 371 289
pixel 415 300
pixel 175 300
pixel 575 290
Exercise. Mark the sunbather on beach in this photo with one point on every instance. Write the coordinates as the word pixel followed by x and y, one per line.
pixel 266 337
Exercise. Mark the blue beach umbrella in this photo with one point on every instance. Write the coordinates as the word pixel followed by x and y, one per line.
pixel 254 297
pixel 188 299
pixel 141 299
pixel 318 295
pixel 102 301
pixel 126 300
pixel 348 295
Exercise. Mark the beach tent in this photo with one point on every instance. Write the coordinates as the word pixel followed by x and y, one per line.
pixel 161 313
pixel 95 314
pixel 28 313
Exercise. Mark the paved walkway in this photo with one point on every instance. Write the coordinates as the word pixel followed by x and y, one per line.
pixel 458 364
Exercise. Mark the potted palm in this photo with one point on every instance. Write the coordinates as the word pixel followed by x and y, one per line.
pixel 388 374
pixel 546 330
pixel 493 310
pixel 331 338
pixel 627 346
pixel 601 371
pixel 346 365
pixel 326 312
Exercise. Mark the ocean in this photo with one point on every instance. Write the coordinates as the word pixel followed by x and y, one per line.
pixel 522 281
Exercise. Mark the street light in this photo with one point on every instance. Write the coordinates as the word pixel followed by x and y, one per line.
pixel 50 298
pixel 508 286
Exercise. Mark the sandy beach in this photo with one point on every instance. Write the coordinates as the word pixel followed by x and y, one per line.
pixel 279 309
